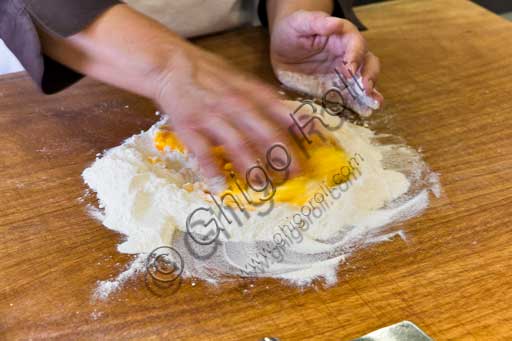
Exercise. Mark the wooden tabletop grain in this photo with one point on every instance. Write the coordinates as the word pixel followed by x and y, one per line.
pixel 447 68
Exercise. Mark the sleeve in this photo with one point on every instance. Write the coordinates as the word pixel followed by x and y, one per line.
pixel 342 9
pixel 63 18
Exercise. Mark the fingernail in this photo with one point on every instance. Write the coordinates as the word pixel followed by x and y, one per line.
pixel 378 96
pixel 344 70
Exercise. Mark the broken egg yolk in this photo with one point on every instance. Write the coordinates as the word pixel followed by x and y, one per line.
pixel 164 138
pixel 327 165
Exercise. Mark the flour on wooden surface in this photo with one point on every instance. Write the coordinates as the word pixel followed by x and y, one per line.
pixel 149 203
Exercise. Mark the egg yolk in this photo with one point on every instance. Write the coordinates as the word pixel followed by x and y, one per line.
pixel 324 164
pixel 164 138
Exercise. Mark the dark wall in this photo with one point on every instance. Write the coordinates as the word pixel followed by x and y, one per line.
pixel 497 6
pixel 365 2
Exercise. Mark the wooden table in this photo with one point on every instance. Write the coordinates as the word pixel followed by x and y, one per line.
pixel 446 79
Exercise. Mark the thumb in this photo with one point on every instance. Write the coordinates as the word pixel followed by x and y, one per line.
pixel 330 25
pixel 317 23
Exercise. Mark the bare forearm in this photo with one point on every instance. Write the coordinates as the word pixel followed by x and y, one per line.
pixel 122 47
pixel 278 9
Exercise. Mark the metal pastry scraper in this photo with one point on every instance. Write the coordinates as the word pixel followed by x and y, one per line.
pixel 402 331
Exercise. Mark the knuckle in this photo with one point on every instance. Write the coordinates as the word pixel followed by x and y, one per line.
pixel 349 26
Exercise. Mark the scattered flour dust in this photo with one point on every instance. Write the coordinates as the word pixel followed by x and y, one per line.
pixel 148 202
pixel 108 287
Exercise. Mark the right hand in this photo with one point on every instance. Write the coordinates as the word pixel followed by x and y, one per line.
pixel 209 103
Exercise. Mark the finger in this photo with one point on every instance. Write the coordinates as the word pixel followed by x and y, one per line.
pixel 280 116
pixel 370 72
pixel 294 138
pixel 322 24
pixel 330 25
pixel 209 166
pixel 267 102
pixel 267 135
pixel 355 48
pixel 272 107
pixel 315 28
pixel 308 23
pixel 247 117
pixel 272 110
pixel 378 96
pixel 238 147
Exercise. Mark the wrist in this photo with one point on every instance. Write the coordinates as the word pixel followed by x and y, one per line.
pixel 165 64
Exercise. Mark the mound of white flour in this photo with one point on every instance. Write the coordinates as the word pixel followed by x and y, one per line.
pixel 149 202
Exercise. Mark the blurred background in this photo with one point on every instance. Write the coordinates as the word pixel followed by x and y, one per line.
pixel 9 63
pixel 502 7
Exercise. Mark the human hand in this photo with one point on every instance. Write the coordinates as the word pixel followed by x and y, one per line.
pixel 209 103
pixel 314 43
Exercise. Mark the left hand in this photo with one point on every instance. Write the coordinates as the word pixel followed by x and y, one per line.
pixel 316 43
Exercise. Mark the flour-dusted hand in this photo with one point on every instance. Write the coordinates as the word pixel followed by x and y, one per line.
pixel 314 43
